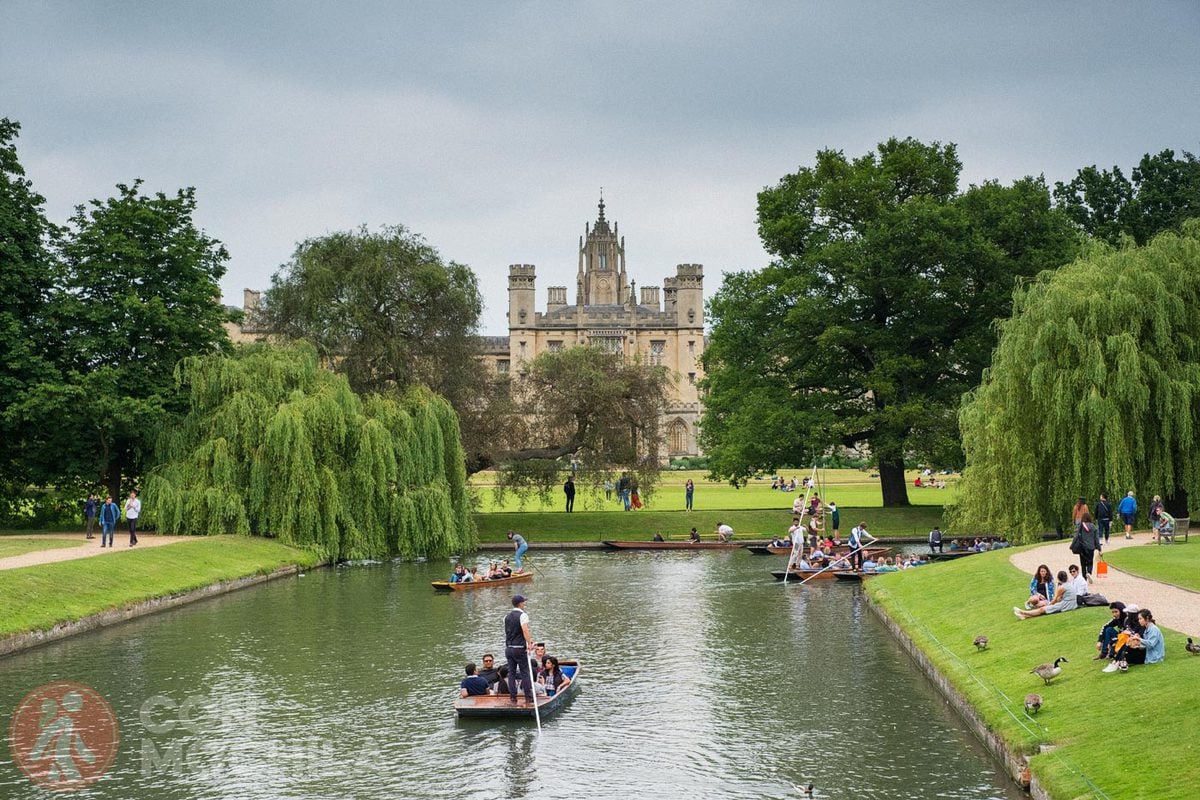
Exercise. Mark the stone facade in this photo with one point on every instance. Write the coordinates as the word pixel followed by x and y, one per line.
pixel 665 328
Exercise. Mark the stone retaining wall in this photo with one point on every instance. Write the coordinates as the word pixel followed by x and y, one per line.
pixel 24 641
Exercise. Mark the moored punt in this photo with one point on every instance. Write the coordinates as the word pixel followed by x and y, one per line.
pixel 855 575
pixel 447 586
pixel 951 554
pixel 499 705
pixel 651 545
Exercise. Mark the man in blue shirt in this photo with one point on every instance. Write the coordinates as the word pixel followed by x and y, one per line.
pixel 473 685
pixel 1127 508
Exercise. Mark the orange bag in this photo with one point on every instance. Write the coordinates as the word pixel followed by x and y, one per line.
pixel 1102 568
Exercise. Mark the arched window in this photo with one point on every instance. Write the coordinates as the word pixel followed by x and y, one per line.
pixel 677 437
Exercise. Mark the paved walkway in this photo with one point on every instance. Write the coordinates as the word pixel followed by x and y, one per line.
pixel 87 549
pixel 1173 608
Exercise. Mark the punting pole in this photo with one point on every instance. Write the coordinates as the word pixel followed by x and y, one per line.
pixel 792 557
pixel 533 689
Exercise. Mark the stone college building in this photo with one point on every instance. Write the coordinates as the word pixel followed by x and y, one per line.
pixel 664 324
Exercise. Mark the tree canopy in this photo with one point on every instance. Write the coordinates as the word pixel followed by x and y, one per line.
pixel 582 406
pixel 136 291
pixel 1163 192
pixel 1094 386
pixel 876 314
pixel 274 445
pixel 387 311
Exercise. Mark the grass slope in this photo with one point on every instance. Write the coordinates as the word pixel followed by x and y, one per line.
pixel 34 598
pixel 1178 564
pixel 1128 735
pixel 558 526
pixel 19 545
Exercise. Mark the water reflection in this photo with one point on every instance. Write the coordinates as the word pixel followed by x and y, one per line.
pixel 702 677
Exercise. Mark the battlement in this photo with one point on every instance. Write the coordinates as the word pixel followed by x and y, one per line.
pixel 521 276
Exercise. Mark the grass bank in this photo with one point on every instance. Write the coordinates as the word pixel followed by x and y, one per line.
pixel 846 487
pixel 1128 735
pixel 1178 564
pixel 593 526
pixel 42 596
pixel 20 545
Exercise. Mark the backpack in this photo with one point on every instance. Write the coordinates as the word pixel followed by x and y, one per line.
pixel 1091 599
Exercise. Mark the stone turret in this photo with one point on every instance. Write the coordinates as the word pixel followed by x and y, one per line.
pixel 685 294
pixel 521 279
pixel 601 277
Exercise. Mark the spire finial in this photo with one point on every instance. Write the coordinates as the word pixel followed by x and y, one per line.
pixel 601 203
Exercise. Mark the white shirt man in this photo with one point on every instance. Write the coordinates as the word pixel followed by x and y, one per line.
pixel 724 532
pixel 1078 582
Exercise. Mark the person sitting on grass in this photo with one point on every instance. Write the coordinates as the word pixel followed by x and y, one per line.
pixel 1041 588
pixel 1106 641
pixel 1143 645
pixel 1063 600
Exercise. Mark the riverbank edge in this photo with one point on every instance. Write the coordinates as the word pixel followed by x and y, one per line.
pixel 20 642
pixel 1015 763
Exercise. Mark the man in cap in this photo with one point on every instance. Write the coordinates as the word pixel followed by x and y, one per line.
pixel 518 644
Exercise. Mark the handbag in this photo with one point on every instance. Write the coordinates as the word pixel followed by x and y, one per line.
pixel 1076 544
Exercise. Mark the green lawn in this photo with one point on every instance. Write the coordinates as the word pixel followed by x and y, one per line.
pixel 558 526
pixel 846 487
pixel 19 545
pixel 1177 563
pixel 1132 735
pixel 36 598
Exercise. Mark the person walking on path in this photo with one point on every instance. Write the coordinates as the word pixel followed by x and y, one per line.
pixel 569 491
pixel 1078 511
pixel 1104 514
pixel 133 510
pixel 1088 536
pixel 90 507
pixel 623 489
pixel 110 515
pixel 520 545
pixel 518 645
pixel 1156 509
pixel 689 489
pixel 1127 508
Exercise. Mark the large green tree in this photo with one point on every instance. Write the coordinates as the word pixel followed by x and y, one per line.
pixel 580 406
pixel 1163 192
pixel 136 293
pixel 26 282
pixel 386 310
pixel 1094 386
pixel 876 314
pixel 274 445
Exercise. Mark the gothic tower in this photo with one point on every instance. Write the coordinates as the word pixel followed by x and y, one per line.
pixel 601 279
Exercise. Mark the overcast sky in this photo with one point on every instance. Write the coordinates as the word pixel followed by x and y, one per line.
pixel 489 128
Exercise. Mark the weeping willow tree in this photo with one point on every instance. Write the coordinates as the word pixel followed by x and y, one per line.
pixel 1094 386
pixel 274 445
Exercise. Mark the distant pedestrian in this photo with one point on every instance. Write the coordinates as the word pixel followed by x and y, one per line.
pixel 1080 508
pixel 1127 508
pixel 520 545
pixel 623 489
pixel 569 491
pixel 90 508
pixel 1104 514
pixel 608 490
pixel 1156 509
pixel 836 519
pixel 1089 542
pixel 689 489
pixel 110 515
pixel 935 539
pixel 133 510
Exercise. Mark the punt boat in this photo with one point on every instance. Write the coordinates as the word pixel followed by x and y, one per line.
pixel 448 586
pixel 678 545
pixel 499 705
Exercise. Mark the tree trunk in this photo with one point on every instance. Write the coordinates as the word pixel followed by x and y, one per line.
pixel 110 478
pixel 891 481
pixel 1176 503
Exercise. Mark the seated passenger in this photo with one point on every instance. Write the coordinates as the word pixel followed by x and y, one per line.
pixel 694 536
pixel 868 565
pixel 505 569
pixel 472 685
pixel 552 677
pixel 1063 600
pixel 459 572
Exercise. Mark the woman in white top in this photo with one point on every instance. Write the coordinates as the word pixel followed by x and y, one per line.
pixel 133 509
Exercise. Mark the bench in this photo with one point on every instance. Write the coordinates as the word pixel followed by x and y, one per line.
pixel 1180 529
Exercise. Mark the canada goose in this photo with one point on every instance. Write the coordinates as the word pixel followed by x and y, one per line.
pixel 1192 648
pixel 1048 672
pixel 1033 702
pixel 981 642
pixel 805 791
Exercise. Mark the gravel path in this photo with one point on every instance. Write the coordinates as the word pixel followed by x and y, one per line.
pixel 1173 608
pixel 88 548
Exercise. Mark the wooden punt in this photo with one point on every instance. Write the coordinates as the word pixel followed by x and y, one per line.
pixel 950 555
pixel 802 574
pixel 640 545
pixel 516 577
pixel 772 550
pixel 499 705
pixel 855 575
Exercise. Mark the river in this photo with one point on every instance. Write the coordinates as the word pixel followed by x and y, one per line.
pixel 702 677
